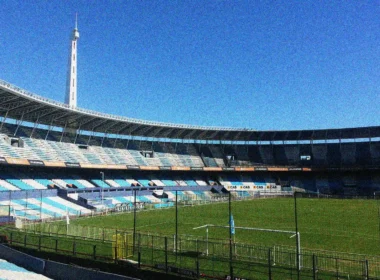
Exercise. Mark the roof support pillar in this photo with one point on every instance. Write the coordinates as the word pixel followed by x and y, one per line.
pixel 105 134
pixel 3 121
pixel 47 134
pixel 126 146
pixel 63 132
pixel 151 146
pixel 114 143
pixel 34 127
pixel 77 133
pixel 19 122
pixel 89 138
pixel 140 144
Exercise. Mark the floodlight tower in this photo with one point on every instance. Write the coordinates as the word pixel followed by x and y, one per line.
pixel 71 86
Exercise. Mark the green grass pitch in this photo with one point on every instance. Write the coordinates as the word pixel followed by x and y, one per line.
pixel 350 226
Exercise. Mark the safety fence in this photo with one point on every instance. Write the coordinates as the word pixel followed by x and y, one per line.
pixel 195 257
pixel 27 212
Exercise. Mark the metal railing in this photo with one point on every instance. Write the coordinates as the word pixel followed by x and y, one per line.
pixel 199 258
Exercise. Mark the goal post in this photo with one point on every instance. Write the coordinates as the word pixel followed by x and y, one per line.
pixel 294 234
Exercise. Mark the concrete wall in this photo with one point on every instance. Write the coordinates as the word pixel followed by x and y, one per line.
pixel 55 270
pixel 63 271
pixel 28 262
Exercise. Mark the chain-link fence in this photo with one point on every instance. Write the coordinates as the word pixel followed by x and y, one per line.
pixel 198 257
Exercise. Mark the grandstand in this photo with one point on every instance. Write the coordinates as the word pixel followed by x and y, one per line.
pixel 55 154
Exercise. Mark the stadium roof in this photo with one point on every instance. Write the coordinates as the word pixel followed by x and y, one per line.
pixel 21 105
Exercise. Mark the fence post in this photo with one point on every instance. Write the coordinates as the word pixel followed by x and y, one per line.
pixel 139 259
pixel 74 248
pixel 56 245
pixel 25 240
pixel 314 267
pixel 197 266
pixel 94 252
pixel 11 238
pixel 269 265
pixel 166 254
pixel 39 243
pixel 139 243
pixel 337 268
pixel 152 250
pixel 115 254
pixel 366 270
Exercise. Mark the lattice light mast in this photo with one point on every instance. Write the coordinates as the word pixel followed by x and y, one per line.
pixel 71 87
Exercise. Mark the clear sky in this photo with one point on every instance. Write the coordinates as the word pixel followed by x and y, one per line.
pixel 265 65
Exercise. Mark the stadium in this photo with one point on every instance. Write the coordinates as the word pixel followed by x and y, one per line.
pixel 149 199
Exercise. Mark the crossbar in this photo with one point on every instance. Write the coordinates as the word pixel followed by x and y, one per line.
pixel 249 228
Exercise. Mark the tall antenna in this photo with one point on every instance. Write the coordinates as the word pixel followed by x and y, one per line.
pixel 71 86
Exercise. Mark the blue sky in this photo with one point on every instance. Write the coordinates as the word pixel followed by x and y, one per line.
pixel 265 65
